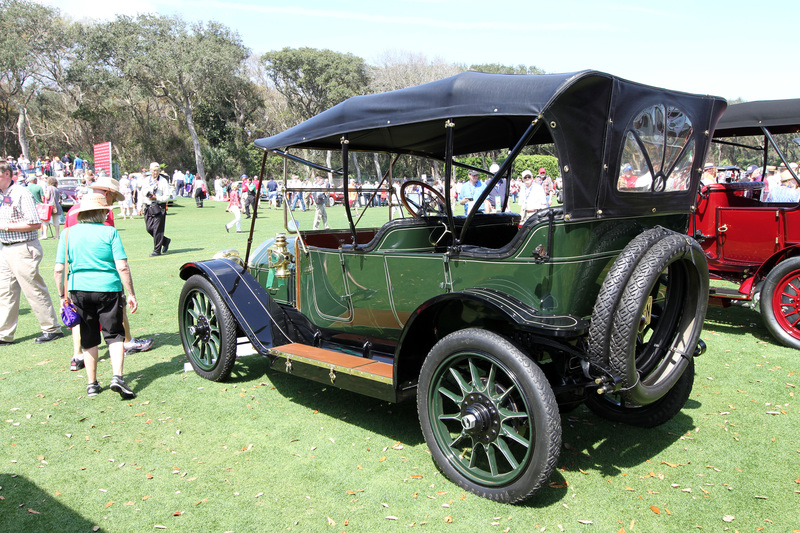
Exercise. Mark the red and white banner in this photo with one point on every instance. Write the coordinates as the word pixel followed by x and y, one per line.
pixel 102 158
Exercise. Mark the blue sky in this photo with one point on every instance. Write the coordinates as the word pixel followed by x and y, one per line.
pixel 734 49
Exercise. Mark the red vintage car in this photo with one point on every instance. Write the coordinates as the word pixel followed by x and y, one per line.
pixel 750 229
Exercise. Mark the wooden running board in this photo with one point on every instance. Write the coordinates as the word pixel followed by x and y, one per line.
pixel 349 372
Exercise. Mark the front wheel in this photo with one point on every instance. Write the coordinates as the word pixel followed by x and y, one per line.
pixel 208 329
pixel 488 415
pixel 780 302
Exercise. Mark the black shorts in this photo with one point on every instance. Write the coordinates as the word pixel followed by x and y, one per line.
pixel 100 311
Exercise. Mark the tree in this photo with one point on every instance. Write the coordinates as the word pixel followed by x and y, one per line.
pixel 29 36
pixel 398 70
pixel 313 80
pixel 496 68
pixel 182 66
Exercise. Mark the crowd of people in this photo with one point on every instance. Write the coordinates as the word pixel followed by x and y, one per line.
pixel 91 268
pixel 779 184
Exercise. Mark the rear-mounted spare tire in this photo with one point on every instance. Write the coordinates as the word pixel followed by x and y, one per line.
pixel 655 325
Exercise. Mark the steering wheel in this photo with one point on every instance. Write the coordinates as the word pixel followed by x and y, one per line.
pixel 430 200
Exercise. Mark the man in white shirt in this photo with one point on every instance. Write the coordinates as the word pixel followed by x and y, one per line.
pixel 156 193
pixel 531 195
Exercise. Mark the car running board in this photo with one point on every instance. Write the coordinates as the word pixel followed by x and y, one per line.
pixel 345 371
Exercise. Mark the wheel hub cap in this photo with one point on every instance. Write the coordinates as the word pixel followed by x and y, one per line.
pixel 201 330
pixel 479 417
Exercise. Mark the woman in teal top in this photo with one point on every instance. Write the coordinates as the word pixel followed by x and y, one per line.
pixel 99 277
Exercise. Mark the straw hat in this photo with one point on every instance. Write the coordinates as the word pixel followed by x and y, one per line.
pixel 104 183
pixel 92 202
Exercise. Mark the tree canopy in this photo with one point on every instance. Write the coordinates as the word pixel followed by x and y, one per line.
pixel 188 95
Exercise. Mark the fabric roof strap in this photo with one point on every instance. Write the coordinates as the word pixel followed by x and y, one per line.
pixel 448 175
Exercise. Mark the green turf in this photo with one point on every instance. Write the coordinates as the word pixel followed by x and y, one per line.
pixel 270 452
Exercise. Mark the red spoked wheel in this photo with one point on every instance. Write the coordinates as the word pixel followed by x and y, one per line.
pixel 780 302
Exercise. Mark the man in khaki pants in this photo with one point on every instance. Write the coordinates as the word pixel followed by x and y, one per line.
pixel 20 255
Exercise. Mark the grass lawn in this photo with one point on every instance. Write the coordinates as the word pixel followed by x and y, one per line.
pixel 270 452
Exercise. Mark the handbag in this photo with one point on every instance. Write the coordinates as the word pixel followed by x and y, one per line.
pixel 69 313
pixel 45 211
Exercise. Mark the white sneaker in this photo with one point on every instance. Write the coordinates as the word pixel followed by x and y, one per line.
pixel 138 345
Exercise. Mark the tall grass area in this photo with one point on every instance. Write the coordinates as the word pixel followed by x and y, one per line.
pixel 267 451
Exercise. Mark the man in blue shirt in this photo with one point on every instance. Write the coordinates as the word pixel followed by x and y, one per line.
pixel 470 191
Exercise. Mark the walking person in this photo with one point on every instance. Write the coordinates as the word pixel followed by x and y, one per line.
pixel 20 256
pixel 320 201
pixel 199 191
pixel 235 207
pixel 51 198
pixel 99 278
pixel 110 189
pixel 156 194
pixel 248 195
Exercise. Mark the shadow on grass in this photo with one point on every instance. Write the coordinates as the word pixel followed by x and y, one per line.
pixel 737 320
pixel 591 444
pixel 29 508
pixel 397 421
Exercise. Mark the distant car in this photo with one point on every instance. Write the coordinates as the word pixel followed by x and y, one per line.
pixel 749 236
pixel 68 191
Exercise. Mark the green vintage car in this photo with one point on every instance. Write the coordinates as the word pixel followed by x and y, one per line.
pixel 494 325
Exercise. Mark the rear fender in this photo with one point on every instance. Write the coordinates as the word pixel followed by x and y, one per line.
pixel 750 285
pixel 257 314
pixel 476 307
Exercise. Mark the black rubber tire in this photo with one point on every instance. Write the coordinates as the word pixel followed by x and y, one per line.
pixel 331 201
pixel 780 294
pixel 477 371
pixel 651 350
pixel 207 328
pixel 613 407
pixel 611 290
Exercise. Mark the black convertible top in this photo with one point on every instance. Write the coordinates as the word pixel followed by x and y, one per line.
pixel 584 114
pixel 410 120
pixel 779 116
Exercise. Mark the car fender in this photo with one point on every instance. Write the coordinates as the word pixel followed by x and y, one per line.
pixel 447 313
pixel 257 314
pixel 752 284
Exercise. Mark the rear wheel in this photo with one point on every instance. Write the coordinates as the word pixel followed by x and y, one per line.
pixel 488 415
pixel 780 302
pixel 208 329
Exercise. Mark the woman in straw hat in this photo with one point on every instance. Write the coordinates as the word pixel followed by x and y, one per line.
pixel 99 278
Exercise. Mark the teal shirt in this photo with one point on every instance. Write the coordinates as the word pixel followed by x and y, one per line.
pixel 93 248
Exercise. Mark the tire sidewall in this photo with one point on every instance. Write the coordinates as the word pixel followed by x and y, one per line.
pixel 682 340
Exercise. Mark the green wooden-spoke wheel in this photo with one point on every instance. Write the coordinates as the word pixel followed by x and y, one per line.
pixel 208 330
pixel 488 415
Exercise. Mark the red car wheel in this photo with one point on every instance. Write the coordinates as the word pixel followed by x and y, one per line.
pixel 780 302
